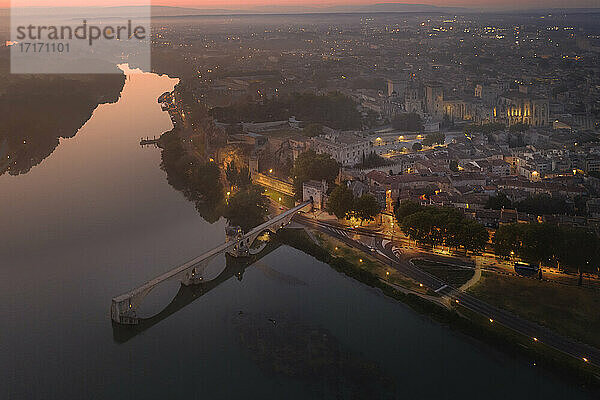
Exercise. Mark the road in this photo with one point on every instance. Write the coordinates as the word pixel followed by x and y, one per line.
pixel 383 249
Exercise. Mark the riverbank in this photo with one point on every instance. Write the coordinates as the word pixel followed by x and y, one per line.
pixel 458 318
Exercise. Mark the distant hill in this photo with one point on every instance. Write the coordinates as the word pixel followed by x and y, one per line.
pixel 167 11
pixel 405 7
pixel 164 11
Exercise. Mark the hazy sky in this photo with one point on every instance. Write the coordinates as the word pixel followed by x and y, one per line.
pixel 251 3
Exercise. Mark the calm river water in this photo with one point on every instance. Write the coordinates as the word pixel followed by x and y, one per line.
pixel 98 217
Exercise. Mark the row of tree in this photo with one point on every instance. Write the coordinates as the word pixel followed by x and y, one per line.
pixel 344 205
pixel 539 204
pixel 434 138
pixel 332 109
pixel 440 226
pixel 573 249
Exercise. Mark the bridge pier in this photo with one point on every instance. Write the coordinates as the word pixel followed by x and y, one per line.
pixel 123 313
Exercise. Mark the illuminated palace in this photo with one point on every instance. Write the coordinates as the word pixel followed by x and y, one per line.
pixel 518 107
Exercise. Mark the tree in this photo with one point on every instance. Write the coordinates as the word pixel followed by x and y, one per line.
pixel 332 109
pixel 498 202
pixel 536 243
pixel 410 122
pixel 417 146
pixel 246 208
pixel 204 183
pixel 473 236
pixel 419 227
pixel 312 166
pixel 485 128
pixel 543 204
pixel 434 138
pixel 340 201
pixel 579 251
pixel 244 177
pixel 453 165
pixel 231 173
pixel 506 240
pixel 238 178
pixel 366 208
pixel 440 226
pixel 373 160
pixel 543 243
pixel 406 208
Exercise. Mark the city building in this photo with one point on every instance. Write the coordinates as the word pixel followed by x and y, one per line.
pixel 347 148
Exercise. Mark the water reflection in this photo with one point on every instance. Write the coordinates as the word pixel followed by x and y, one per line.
pixel 37 111
pixel 187 294
pixel 286 346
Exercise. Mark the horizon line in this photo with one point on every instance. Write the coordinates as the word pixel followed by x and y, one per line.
pixel 318 7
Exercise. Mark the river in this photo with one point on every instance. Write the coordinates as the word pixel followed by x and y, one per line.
pixel 97 218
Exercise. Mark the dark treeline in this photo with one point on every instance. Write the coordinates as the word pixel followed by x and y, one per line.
pixel 440 226
pixel 343 204
pixel 334 110
pixel 539 204
pixel 410 122
pixel 572 249
pixel 37 111
pixel 247 208
pixel 373 160
pixel 200 182
pixel 434 138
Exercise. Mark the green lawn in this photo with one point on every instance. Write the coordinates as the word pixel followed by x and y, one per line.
pixel 451 274
pixel 286 200
pixel 569 310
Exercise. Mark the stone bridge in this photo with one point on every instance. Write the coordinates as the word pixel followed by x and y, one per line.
pixel 123 308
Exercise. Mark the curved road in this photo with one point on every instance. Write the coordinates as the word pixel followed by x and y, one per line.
pixel 382 249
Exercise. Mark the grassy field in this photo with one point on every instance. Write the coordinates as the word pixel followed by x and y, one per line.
pixel 286 200
pixel 569 310
pixel 452 274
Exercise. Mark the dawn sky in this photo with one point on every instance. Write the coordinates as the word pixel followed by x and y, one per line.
pixel 252 3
